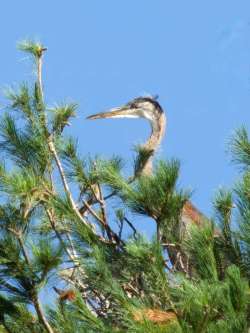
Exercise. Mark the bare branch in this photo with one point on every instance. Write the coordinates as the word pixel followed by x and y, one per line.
pixel 131 226
pixel 39 72
pixel 71 255
pixel 35 299
pixel 65 183
pixel 18 235
pixel 112 235
pixel 41 315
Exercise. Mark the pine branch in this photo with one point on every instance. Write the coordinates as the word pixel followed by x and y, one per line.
pixel 25 254
pixel 112 235
pixel 39 70
pixel 41 315
pixel 240 148
pixel 21 243
pixel 65 184
pixel 130 224
pixel 6 327
pixel 35 299
pixel 70 254
pixel 125 284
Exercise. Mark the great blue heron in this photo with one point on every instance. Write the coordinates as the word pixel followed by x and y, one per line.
pixel 142 107
pixel 150 109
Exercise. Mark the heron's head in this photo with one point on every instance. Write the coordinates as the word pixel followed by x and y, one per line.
pixel 141 107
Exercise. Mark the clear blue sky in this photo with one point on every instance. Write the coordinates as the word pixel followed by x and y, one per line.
pixel 194 54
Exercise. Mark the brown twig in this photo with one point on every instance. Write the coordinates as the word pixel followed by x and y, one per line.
pixel 102 205
pixel 112 235
pixel 25 254
pixel 52 146
pixel 131 226
pixel 41 315
pixel 18 235
pixel 39 72
pixel 65 183
pixel 101 201
pixel 121 228
pixel 35 299
pixel 70 254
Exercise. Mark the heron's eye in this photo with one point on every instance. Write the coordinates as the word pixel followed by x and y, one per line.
pixel 132 105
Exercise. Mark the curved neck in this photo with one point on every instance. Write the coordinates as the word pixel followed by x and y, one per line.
pixel 158 129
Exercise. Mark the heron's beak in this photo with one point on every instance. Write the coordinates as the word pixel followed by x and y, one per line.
pixel 120 112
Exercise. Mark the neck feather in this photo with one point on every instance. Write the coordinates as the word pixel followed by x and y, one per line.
pixel 158 129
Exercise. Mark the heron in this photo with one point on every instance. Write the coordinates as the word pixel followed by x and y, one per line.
pixel 147 108
pixel 150 109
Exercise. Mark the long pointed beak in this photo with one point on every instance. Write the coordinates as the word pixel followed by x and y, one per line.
pixel 120 112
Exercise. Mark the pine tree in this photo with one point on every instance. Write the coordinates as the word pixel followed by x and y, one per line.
pixel 68 228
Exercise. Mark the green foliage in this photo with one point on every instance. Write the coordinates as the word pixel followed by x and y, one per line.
pixel 24 322
pixel 31 47
pixel 46 257
pixel 223 204
pixel 61 116
pixel 21 100
pixel 7 308
pixel 24 147
pixel 65 221
pixel 200 247
pixel 77 317
pixel 155 196
pixel 143 155
pixel 213 306
pixel 240 148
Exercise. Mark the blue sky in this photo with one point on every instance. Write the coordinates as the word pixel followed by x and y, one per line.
pixel 194 54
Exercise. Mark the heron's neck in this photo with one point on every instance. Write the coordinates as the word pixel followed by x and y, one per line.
pixel 158 130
